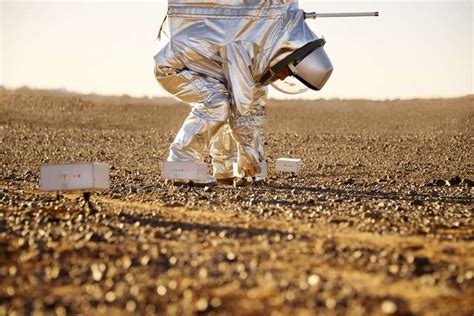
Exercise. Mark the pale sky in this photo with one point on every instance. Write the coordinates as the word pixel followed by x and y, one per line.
pixel 414 49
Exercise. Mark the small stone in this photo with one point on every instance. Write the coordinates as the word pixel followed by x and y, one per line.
pixel 349 181
pixel 131 306
pixel 393 269
pixel 389 307
pixel 126 262
pixel 202 304
pixel 454 181
pixel 173 284
pixel 313 279
pixel 161 290
pixel 61 310
pixel 439 182
pixel 216 302
pixel 110 296
pixel 330 303
pixel 422 264
pixel 94 237
pixel 173 260
pixel 97 274
pixel 144 260
pixel 230 256
pixel 12 270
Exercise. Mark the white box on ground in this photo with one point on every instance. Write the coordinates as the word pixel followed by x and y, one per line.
pixel 260 176
pixel 288 165
pixel 75 176
pixel 184 170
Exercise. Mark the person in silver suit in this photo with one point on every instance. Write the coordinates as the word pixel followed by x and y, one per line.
pixel 220 58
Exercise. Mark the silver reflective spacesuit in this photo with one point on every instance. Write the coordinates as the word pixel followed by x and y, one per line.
pixel 218 52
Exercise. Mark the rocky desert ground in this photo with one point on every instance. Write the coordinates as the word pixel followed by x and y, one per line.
pixel 378 221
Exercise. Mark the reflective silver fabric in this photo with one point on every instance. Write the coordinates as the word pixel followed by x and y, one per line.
pixel 219 49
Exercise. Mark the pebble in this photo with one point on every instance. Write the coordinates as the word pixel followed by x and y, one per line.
pixel 161 290
pixel 230 256
pixel 313 280
pixel 389 307
pixel 202 304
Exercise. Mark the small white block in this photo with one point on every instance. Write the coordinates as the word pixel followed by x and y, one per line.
pixel 260 176
pixel 184 170
pixel 288 165
pixel 75 176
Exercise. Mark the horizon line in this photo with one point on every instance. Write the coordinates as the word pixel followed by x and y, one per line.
pixel 65 92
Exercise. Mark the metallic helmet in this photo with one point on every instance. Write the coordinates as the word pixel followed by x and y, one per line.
pixel 309 64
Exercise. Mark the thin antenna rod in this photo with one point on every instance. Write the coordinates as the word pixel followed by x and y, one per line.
pixel 314 15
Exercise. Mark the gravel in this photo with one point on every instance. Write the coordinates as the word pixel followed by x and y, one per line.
pixel 379 220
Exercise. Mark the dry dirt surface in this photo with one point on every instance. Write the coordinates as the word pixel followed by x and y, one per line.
pixel 379 220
